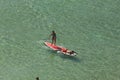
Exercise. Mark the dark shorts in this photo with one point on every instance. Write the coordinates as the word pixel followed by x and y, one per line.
pixel 53 38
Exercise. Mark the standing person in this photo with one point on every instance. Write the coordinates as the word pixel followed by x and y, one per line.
pixel 53 34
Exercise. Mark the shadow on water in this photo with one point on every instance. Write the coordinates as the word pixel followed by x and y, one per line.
pixel 52 52
pixel 72 58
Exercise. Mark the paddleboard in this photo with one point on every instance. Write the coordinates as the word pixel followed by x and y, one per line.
pixel 59 49
pixel 52 46
pixel 74 54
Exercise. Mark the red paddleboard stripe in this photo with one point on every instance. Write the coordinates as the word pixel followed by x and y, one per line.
pixel 52 46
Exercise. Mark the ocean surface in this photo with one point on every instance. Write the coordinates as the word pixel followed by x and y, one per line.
pixel 90 27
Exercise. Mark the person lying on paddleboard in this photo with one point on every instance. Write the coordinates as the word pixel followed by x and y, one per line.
pixel 53 34
pixel 68 51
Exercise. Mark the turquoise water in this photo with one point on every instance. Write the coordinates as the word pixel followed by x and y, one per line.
pixel 91 28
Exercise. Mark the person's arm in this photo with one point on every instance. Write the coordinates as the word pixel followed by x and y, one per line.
pixel 50 36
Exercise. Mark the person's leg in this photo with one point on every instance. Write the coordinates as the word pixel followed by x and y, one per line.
pixel 54 40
